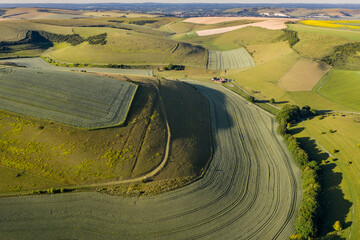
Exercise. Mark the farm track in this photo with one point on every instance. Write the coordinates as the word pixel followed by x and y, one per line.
pixel 250 191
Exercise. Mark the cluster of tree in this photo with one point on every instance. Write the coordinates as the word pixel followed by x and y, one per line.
pixel 2 12
pixel 291 36
pixel 73 39
pixel 32 40
pixel 174 67
pixel 118 66
pixel 341 53
pixel 306 223
pixel 293 113
pixel 142 22
pixel 97 39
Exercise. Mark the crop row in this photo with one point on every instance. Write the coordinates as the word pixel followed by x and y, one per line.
pixel 75 99
pixel 233 59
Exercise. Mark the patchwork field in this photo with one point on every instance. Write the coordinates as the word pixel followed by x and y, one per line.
pixel 75 99
pixel 341 86
pixel 233 59
pixel 272 24
pixel 303 76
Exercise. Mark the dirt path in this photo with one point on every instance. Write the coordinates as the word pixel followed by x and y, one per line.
pixel 250 191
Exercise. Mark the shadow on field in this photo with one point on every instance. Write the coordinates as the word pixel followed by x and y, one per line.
pixel 334 207
pixel 295 131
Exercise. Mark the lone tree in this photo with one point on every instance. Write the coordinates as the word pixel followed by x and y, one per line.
pixel 272 101
pixel 337 226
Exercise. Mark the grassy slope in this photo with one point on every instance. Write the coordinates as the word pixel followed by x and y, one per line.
pixel 236 39
pixel 317 42
pixel 339 180
pixel 132 48
pixel 73 156
pixel 318 45
pixel 341 86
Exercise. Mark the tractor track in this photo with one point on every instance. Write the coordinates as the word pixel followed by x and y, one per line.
pixel 250 191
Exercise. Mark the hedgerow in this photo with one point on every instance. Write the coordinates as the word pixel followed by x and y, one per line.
pixel 306 223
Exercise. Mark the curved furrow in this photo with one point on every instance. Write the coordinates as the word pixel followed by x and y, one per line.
pixel 250 191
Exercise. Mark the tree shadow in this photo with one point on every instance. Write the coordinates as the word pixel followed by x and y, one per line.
pixel 333 206
pixel 295 131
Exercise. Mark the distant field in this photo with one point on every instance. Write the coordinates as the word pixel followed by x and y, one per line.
pixel 303 76
pixel 333 24
pixel 341 86
pixel 233 59
pixel 75 99
pixel 318 45
pixel 185 27
pixel 235 39
pixel 347 34
pixel 272 24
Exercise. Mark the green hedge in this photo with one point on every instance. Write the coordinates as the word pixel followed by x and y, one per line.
pixel 306 223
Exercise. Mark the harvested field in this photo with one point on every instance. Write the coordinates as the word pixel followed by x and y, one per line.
pixel 75 99
pixel 39 63
pixel 233 59
pixel 304 75
pixel 273 24
pixel 251 190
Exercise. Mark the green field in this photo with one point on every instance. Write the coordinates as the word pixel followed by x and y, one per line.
pixel 127 47
pixel 339 180
pixel 235 39
pixel 71 98
pixel 233 59
pixel 341 86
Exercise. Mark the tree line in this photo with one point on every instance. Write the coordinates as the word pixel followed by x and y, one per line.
pixel 306 223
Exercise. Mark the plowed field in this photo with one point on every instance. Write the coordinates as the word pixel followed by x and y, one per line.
pixel 75 99
pixel 250 191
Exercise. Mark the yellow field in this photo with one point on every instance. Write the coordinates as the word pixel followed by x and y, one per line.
pixel 332 24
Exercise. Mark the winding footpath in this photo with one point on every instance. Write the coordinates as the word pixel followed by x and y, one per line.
pixel 251 190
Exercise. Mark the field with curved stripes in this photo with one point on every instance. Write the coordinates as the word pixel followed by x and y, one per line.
pixel 71 98
pixel 251 190
pixel 233 59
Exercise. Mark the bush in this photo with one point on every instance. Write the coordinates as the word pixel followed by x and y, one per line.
pixel 97 39
pixel 174 67
pixel 250 98
pixel 337 226
pixel 288 113
pixel 272 101
pixel 282 128
pixel 291 36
